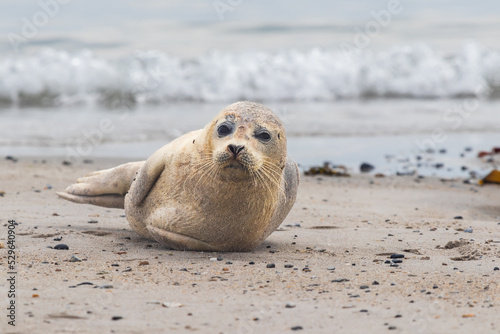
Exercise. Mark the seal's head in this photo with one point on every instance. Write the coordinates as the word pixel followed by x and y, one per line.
pixel 246 141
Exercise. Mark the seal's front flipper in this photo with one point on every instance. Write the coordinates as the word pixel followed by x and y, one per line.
pixel 178 241
pixel 105 188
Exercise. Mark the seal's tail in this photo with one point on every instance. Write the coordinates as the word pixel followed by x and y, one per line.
pixel 105 188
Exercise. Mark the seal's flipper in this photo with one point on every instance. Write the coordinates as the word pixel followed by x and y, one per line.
pixel 107 201
pixel 178 241
pixel 147 176
pixel 105 188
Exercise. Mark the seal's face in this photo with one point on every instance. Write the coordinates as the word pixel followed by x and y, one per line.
pixel 248 143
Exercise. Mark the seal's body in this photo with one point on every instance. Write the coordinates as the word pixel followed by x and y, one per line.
pixel 225 187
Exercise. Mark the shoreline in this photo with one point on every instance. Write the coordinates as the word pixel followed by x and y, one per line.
pixel 350 224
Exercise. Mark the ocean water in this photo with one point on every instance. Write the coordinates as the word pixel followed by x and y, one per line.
pixel 366 81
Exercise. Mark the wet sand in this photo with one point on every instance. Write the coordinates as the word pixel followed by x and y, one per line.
pixel 330 272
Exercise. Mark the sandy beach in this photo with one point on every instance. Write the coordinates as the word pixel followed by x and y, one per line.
pixel 327 269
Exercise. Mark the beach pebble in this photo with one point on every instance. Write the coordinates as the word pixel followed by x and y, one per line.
pixel 106 286
pixel 11 158
pixel 330 268
pixel 468 230
pixel 288 265
pixel 251 262
pixel 144 263
pixel 340 280
pixel 297 328
pixel 397 256
pixel 116 317
pixel 270 265
pixel 289 305
pixel 397 261
pixel 74 258
pixel 61 247
pixel 458 217
pixel 375 283
pixel 362 287
pixel 92 221
pixel 496 268
pixel 366 167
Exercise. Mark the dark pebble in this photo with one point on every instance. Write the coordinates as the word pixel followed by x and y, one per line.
pixel 435 287
pixel 392 328
pixel 397 256
pixel 340 280
pixel 66 163
pixel 297 328
pixel 458 217
pixel 496 268
pixel 363 311
pixel 85 283
pixel 375 283
pixel 438 165
pixel 183 269
pixel 398 316
pixel 229 262
pixel 116 317
pixel 394 265
pixel 251 262
pixel 58 239
pixel 288 265
pixel 270 265
pixel 11 158
pixel 115 265
pixel 61 246
pixel 387 261
pixel 442 151
pixel 92 222
pixel 366 167
pixel 397 261
pixel 219 259
pixel 362 287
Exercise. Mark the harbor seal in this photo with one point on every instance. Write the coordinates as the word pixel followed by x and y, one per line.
pixel 225 187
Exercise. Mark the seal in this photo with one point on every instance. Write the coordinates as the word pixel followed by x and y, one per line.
pixel 225 187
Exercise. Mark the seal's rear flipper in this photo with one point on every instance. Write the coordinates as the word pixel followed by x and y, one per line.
pixel 107 200
pixel 105 188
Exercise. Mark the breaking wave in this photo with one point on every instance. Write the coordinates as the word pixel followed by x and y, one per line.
pixel 54 77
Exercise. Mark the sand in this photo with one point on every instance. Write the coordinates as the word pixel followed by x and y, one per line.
pixel 350 224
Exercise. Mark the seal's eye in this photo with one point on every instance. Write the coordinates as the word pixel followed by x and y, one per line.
pixel 223 130
pixel 263 136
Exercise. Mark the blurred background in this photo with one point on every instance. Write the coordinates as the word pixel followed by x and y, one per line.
pixel 407 86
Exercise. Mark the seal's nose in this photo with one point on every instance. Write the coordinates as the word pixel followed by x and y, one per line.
pixel 235 149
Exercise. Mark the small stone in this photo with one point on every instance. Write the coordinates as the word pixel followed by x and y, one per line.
pixel 363 311
pixel 115 265
pixel 366 167
pixel 458 217
pixel 229 262
pixel 397 256
pixel 116 317
pixel 270 265
pixel 330 268
pixel 213 259
pixel 92 222
pixel 340 280
pixel 74 258
pixel 362 287
pixel 397 261
pixel 496 268
pixel 468 315
pixel 375 283
pixel 66 163
pixel 61 247
pixel 219 258
pixel 289 305
pixel 297 328
pixel 127 270
pixel 251 262
pixel 288 265
pixel 435 287
pixel 468 230
pixel 144 263
pixel 106 286
pixel 398 316
pixel 392 328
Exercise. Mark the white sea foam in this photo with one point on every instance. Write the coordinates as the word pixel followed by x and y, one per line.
pixel 60 78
